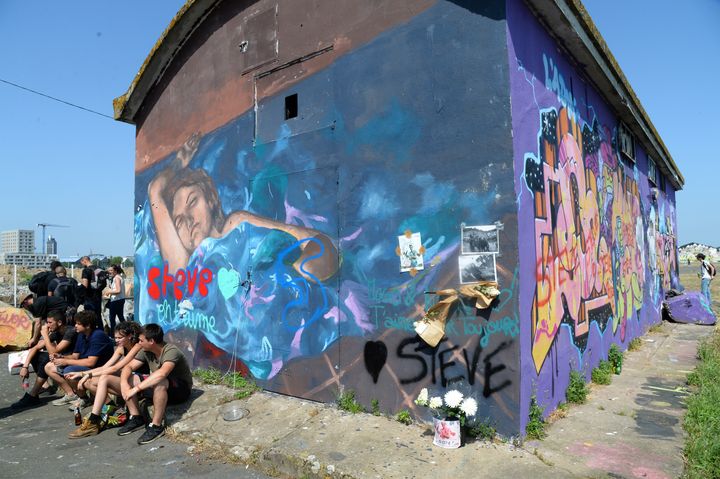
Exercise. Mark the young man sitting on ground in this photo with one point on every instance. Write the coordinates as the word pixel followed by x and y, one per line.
pixel 93 348
pixel 56 338
pixel 170 382
pixel 40 308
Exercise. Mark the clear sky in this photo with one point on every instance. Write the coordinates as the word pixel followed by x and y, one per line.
pixel 66 166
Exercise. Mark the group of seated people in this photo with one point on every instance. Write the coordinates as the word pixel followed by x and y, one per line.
pixel 93 369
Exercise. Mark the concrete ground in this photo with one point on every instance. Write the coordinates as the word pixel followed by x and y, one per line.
pixel 629 429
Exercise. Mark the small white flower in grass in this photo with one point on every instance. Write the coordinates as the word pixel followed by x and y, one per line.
pixel 453 398
pixel 422 398
pixel 435 402
pixel 469 406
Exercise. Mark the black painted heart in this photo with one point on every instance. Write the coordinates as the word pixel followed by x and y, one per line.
pixel 375 357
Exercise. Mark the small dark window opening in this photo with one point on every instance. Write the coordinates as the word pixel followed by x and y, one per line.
pixel 291 106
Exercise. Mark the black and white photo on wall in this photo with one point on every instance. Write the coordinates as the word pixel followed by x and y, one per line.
pixel 479 239
pixel 477 267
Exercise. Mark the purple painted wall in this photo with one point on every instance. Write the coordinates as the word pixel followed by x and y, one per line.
pixel 599 244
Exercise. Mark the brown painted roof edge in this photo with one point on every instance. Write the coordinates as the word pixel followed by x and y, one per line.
pixel 186 20
pixel 563 18
pixel 585 18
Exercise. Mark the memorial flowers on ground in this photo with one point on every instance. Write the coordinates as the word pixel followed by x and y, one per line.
pixel 452 406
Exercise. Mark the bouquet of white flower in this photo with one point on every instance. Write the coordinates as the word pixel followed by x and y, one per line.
pixel 451 406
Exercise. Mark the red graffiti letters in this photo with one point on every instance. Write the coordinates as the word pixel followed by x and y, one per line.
pixel 159 280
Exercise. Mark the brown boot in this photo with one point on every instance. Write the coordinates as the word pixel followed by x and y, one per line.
pixel 86 429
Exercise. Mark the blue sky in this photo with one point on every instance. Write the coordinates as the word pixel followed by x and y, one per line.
pixel 66 166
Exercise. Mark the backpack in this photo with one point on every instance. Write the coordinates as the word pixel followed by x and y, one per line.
pixel 710 269
pixel 66 289
pixel 39 282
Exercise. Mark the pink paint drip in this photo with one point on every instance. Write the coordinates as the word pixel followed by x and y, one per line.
pixel 295 216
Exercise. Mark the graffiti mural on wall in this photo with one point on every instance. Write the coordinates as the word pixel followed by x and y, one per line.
pixel 239 245
pixel 589 233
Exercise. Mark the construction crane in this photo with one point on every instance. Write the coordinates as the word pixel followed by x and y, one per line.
pixel 45 225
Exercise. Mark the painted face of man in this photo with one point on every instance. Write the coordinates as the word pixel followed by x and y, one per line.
pixel 192 216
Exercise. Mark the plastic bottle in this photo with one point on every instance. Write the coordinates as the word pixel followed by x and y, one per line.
pixel 26 383
pixel 78 416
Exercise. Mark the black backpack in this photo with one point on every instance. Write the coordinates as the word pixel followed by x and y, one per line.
pixel 39 282
pixel 710 269
pixel 66 289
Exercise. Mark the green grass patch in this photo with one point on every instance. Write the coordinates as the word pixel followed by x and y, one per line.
pixel 616 357
pixel 346 401
pixel 656 328
pixel 577 390
pixel 208 376
pixel 243 386
pixel 483 430
pixel 404 417
pixel 702 421
pixel 535 428
pixel 375 407
pixel 603 373
pixel 635 344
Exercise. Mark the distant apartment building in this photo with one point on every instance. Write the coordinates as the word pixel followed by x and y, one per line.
pixel 18 248
pixel 18 241
pixel 28 260
pixel 51 245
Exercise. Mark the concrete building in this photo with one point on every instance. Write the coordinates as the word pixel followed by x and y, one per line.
pixel 28 260
pixel 51 246
pixel 309 174
pixel 18 241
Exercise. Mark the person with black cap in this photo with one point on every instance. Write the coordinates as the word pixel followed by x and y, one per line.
pixel 40 307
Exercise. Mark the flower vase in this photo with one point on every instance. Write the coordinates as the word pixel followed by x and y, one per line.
pixel 448 433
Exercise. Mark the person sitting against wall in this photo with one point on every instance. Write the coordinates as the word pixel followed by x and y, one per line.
pixel 56 338
pixel 93 348
pixel 105 380
pixel 186 209
pixel 40 308
pixel 170 382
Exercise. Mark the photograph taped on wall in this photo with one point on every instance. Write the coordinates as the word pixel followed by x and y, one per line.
pixel 411 252
pixel 480 239
pixel 477 267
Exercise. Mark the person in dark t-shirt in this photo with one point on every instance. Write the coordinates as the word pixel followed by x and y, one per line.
pixel 57 338
pixel 40 307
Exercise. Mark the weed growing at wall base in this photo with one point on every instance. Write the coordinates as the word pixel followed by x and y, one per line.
pixel 403 417
pixel 346 401
pixel 603 373
pixel 702 421
pixel 577 390
pixel 635 344
pixel 616 357
pixel 243 386
pixel 535 428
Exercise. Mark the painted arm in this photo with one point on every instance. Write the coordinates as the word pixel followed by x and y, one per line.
pixel 322 267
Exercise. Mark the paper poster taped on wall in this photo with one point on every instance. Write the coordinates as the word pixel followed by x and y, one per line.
pixel 477 267
pixel 411 252
pixel 480 239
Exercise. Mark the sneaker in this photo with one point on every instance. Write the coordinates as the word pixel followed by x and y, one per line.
pixel 132 424
pixel 26 401
pixel 151 433
pixel 50 391
pixel 82 403
pixel 87 429
pixel 66 399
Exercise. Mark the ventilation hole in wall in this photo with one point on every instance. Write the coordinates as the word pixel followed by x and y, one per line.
pixel 291 106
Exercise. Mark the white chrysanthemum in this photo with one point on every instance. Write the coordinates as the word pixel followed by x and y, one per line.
pixel 435 402
pixel 469 406
pixel 422 398
pixel 453 398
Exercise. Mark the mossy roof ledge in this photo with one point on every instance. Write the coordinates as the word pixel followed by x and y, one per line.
pixel 571 25
pixel 186 20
